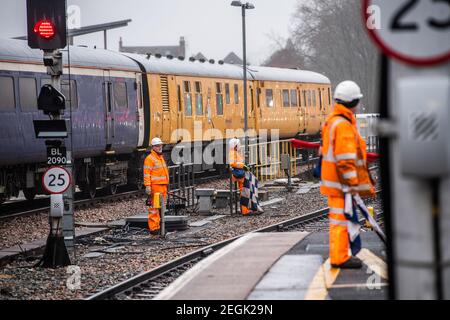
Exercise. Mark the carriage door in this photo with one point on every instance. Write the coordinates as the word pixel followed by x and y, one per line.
pixel 140 109
pixel 109 109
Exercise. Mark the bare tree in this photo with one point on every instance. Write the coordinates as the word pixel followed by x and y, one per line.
pixel 286 57
pixel 330 38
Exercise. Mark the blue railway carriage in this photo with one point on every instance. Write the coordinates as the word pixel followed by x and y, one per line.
pixel 103 94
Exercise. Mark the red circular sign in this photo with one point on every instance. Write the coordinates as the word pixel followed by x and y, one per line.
pixel 400 15
pixel 56 180
pixel 45 29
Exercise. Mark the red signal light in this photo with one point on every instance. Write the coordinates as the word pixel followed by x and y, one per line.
pixel 45 29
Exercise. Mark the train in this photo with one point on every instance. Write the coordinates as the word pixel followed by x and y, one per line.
pixel 119 101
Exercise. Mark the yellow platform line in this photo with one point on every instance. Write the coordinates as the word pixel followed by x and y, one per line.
pixel 322 281
pixel 374 262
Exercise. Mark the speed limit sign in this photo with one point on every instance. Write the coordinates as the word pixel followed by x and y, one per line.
pixel 413 31
pixel 56 180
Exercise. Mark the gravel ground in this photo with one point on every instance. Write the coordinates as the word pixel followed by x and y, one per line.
pixel 130 252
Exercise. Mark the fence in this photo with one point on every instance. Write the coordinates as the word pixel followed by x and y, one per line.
pixel 265 158
pixel 181 186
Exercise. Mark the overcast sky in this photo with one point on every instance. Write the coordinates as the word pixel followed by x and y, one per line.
pixel 212 27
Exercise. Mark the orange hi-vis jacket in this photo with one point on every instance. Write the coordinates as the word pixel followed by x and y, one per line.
pixel 344 162
pixel 155 170
pixel 236 160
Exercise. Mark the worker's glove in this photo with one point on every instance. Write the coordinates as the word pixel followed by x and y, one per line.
pixel 148 190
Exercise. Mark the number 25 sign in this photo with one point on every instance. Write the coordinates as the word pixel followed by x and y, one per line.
pixel 413 31
pixel 56 180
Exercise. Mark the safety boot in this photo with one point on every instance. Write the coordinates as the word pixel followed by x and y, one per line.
pixel 352 263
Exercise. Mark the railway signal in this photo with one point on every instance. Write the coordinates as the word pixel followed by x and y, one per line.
pixel 47 31
pixel 46 21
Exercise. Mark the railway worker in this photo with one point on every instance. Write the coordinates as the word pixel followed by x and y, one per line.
pixel 344 169
pixel 238 168
pixel 156 180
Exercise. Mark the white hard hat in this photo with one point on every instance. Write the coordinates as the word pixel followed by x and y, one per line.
pixel 156 142
pixel 347 91
pixel 234 143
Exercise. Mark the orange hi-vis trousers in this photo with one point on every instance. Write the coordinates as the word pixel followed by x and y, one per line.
pixel 244 210
pixel 339 241
pixel 154 218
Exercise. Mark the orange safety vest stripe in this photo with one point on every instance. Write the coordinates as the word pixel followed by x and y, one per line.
pixel 344 156
pixel 155 170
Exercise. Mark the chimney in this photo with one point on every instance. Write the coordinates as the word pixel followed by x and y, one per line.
pixel 182 48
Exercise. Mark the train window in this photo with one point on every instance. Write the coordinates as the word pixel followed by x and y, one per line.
pixel 308 94
pixel 28 94
pixel 294 100
pixel 227 93
pixel 269 98
pixel 236 94
pixel 219 99
pixel 7 99
pixel 329 96
pixel 187 99
pixel 314 102
pixel 120 95
pixel 198 99
pixel 70 93
pixel 286 102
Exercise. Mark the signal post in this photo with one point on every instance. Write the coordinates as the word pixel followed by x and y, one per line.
pixel 47 31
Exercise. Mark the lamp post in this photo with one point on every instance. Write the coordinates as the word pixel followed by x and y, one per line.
pixel 244 6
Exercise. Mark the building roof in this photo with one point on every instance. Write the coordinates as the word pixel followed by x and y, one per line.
pixel 175 51
pixel 233 58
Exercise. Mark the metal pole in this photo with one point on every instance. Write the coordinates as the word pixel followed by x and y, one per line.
pixel 246 151
pixel 105 39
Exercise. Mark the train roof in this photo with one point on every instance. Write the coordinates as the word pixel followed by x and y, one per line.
pixel 226 71
pixel 290 75
pixel 18 51
pixel 175 66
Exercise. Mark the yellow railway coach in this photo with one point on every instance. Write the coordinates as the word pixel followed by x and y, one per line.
pixel 190 98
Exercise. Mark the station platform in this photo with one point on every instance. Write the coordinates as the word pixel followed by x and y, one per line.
pixel 283 266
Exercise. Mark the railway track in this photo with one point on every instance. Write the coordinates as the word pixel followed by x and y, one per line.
pixel 149 284
pixel 43 205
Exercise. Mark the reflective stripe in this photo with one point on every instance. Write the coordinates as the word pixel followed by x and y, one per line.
pixel 147 176
pixel 361 163
pixel 148 167
pixel 157 167
pixel 346 156
pixel 338 222
pixel 349 175
pixel 364 187
pixel 158 178
pixel 330 154
pixel 331 184
pixel 337 210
